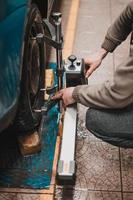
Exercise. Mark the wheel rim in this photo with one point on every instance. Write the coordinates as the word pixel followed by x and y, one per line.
pixel 34 68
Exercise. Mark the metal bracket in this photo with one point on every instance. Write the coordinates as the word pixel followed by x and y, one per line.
pixel 42 38
pixel 53 43
pixel 49 28
pixel 43 110
pixel 52 39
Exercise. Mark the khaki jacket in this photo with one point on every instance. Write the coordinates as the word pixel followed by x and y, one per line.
pixel 119 93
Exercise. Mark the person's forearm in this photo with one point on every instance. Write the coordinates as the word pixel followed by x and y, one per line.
pixel 115 94
pixel 119 30
pixel 102 53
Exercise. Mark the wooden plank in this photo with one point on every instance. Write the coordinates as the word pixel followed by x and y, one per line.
pixel 46 197
pixel 49 81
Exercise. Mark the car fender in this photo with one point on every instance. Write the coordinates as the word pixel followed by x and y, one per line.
pixel 11 47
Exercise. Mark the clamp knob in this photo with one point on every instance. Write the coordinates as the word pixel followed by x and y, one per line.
pixel 56 16
pixel 72 58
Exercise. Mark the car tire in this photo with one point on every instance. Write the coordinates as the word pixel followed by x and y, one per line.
pixel 32 79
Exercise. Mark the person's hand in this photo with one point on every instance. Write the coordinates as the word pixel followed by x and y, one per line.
pixel 65 95
pixel 94 61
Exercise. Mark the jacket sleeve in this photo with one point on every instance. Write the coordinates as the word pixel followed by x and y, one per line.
pixel 119 30
pixel 116 94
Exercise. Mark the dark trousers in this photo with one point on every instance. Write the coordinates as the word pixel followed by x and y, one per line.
pixel 114 126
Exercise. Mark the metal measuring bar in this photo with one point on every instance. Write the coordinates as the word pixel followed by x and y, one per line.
pixel 66 164
pixel 57 17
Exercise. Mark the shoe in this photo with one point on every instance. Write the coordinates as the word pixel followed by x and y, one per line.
pixel 30 143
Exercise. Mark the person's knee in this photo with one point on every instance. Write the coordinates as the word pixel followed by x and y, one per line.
pixel 95 121
pixel 91 119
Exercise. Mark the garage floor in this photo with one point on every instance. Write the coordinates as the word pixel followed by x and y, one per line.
pixel 104 172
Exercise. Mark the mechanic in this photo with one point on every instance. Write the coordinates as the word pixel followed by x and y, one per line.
pixel 110 113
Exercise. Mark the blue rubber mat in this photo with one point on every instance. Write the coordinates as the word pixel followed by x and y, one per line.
pixel 32 171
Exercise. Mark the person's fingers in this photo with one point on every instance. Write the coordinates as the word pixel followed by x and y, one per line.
pixel 63 104
pixel 87 61
pixel 89 72
pixel 58 95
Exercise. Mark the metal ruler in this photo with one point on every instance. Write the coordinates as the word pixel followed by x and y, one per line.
pixel 66 164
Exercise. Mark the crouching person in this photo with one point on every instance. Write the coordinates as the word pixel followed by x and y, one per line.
pixel 110 113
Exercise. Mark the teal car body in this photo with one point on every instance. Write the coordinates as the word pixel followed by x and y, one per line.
pixel 13 16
